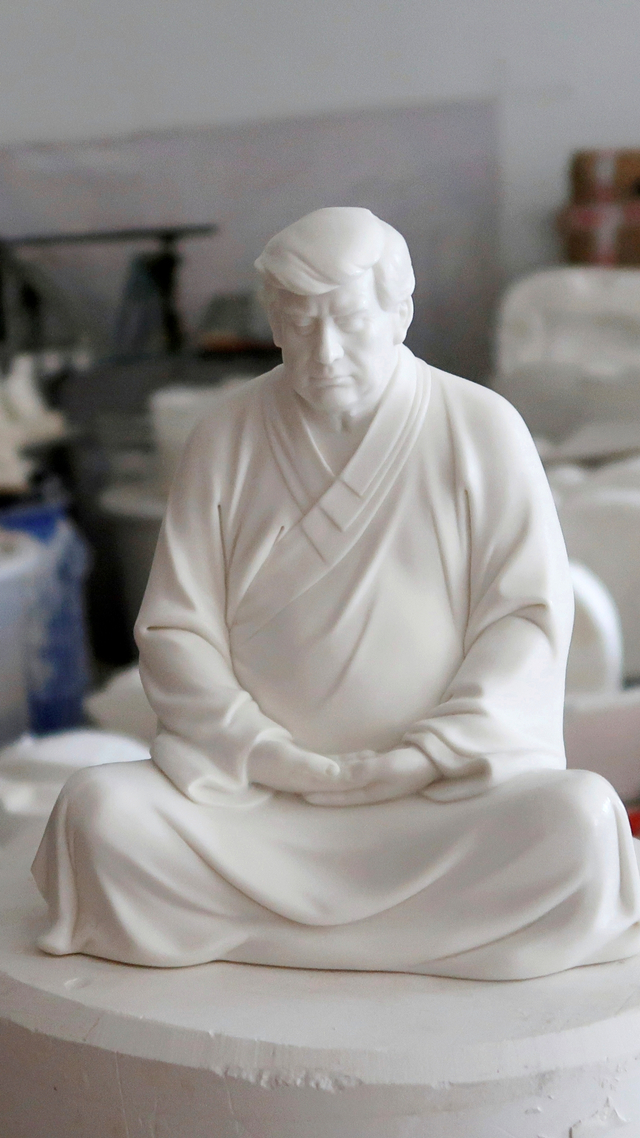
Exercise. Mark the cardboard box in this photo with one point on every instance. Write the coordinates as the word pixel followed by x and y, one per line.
pixel 605 175
pixel 602 233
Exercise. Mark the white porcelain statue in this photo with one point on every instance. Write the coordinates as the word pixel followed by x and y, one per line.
pixel 354 637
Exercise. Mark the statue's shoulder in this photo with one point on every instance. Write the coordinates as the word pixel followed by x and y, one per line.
pixel 239 397
pixel 486 437
pixel 474 409
pixel 229 430
pixel 236 406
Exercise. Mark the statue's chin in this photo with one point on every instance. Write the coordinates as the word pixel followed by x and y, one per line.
pixel 345 398
pixel 335 400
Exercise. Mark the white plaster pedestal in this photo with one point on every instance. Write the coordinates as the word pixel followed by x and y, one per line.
pixel 91 1049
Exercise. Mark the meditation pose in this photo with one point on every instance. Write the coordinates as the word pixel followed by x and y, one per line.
pixel 354 637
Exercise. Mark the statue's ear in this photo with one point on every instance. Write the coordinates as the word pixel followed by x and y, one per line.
pixel 273 314
pixel 404 318
pixel 269 301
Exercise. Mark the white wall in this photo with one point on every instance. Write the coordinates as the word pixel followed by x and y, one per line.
pixel 566 72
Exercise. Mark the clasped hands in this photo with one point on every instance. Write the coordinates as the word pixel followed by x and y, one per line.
pixel 345 780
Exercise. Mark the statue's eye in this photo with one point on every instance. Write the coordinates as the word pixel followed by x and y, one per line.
pixel 303 327
pixel 353 323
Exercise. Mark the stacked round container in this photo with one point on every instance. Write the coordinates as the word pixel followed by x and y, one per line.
pixel 20 563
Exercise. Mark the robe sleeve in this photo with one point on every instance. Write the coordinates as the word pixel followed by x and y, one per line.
pixel 502 713
pixel 207 723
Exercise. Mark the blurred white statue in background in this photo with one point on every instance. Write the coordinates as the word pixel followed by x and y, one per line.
pixel 354 638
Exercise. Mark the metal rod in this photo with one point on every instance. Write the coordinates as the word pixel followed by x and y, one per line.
pixel 166 233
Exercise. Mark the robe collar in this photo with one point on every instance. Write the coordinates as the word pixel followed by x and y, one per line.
pixel 334 510
pixel 306 474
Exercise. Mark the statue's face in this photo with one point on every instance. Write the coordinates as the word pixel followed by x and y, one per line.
pixel 339 349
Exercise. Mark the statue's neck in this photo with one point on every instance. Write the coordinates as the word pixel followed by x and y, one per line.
pixel 337 437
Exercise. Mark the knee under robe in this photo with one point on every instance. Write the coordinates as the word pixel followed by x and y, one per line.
pixel 534 877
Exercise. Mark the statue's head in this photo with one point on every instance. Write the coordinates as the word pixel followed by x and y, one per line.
pixel 337 286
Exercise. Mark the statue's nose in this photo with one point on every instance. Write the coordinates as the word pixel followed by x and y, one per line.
pixel 328 344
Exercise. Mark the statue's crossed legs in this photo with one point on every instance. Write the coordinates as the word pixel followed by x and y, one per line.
pixel 528 878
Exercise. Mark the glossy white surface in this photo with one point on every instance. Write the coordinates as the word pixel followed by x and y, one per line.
pixel 354 637
pixel 602 727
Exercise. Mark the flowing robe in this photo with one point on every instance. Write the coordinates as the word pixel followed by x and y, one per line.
pixel 421 597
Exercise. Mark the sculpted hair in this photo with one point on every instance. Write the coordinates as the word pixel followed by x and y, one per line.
pixel 328 248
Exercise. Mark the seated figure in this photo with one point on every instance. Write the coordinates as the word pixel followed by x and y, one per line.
pixel 354 636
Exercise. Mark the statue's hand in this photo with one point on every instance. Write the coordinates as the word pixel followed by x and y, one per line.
pixel 284 766
pixel 379 778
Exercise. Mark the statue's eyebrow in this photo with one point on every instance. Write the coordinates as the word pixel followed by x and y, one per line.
pixel 293 309
pixel 344 308
pixel 349 311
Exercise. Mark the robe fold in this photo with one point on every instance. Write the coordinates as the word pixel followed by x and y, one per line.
pixel 419 597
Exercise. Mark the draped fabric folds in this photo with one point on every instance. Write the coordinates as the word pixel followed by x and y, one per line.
pixel 421 596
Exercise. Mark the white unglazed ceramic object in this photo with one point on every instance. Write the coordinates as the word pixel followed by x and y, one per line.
pixel 14 469
pixel 99 1050
pixel 601 526
pixel 354 636
pixel 134 510
pixel 175 411
pixel 33 770
pixel 595 661
pixel 121 705
pixel 20 561
pixel 625 473
pixel 568 347
pixel 34 421
pixel 567 479
pixel 602 733
pixel 605 440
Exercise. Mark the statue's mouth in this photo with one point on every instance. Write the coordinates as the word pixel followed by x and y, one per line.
pixel 330 380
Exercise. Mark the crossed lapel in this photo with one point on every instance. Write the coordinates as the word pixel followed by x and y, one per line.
pixel 335 511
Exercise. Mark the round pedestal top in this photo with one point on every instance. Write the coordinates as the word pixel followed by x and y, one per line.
pixel 352 1028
